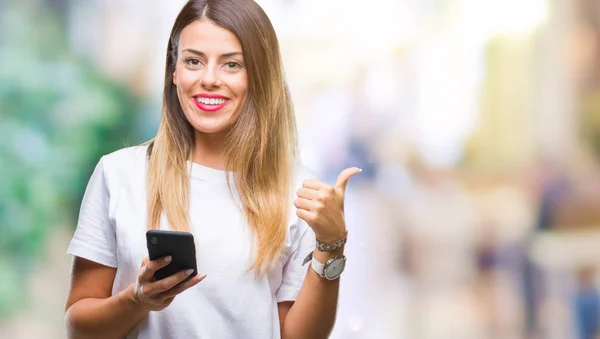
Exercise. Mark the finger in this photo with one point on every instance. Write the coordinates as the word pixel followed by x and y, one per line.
pixel 143 269
pixel 315 184
pixel 307 193
pixel 147 273
pixel 166 283
pixel 304 204
pixel 183 286
pixel 343 178
pixel 305 215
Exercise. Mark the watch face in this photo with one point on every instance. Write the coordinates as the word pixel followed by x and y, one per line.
pixel 335 268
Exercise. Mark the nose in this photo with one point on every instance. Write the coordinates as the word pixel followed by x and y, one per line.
pixel 210 78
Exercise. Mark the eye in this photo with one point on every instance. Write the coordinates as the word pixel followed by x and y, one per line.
pixel 232 65
pixel 192 62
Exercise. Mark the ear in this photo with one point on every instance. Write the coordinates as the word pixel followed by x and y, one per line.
pixel 175 78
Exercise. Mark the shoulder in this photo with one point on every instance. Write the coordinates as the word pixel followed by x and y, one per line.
pixel 126 157
pixel 125 165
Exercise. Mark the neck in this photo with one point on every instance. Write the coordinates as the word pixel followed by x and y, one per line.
pixel 209 150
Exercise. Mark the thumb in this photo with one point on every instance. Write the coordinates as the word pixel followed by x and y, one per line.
pixel 343 178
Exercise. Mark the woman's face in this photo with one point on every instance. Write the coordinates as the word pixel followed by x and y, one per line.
pixel 211 79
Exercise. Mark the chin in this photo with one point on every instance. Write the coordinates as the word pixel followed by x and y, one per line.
pixel 211 122
pixel 210 127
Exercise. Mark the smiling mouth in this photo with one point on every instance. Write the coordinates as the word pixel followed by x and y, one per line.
pixel 210 104
pixel 211 101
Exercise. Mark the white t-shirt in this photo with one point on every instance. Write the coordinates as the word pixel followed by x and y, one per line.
pixel 228 303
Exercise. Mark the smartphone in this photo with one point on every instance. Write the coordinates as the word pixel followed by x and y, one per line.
pixel 179 245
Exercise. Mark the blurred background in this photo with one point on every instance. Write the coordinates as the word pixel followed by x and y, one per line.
pixel 476 122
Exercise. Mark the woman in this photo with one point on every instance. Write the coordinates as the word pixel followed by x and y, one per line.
pixel 222 166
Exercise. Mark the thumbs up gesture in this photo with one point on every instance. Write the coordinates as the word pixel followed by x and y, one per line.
pixel 322 206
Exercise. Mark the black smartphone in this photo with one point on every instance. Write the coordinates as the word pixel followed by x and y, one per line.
pixel 179 245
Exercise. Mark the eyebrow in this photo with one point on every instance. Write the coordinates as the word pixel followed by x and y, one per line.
pixel 225 55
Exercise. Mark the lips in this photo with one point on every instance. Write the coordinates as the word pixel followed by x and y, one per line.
pixel 210 102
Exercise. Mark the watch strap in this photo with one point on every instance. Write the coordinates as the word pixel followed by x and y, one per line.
pixel 318 267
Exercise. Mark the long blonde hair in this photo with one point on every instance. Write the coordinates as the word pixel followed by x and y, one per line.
pixel 260 147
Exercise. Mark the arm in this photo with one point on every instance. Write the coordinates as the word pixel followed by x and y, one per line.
pixel 313 313
pixel 91 311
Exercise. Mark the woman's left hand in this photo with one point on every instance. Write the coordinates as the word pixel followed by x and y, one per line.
pixel 322 206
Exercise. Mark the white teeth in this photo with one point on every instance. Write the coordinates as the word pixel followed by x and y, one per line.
pixel 210 101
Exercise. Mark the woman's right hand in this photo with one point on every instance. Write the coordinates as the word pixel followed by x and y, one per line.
pixel 152 295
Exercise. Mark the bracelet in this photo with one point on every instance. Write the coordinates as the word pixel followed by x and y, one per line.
pixel 322 247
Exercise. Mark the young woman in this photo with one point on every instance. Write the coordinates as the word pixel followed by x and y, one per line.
pixel 224 167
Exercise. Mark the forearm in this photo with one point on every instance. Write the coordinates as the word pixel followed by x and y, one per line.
pixel 314 311
pixel 108 318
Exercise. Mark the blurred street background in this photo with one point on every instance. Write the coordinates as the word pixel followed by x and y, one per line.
pixel 476 122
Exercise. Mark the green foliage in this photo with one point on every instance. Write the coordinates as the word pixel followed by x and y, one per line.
pixel 58 115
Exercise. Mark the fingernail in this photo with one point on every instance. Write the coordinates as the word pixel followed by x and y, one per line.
pixel 201 276
pixel 359 170
pixel 190 271
pixel 168 258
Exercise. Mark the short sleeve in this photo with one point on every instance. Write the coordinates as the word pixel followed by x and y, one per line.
pixel 293 270
pixel 94 238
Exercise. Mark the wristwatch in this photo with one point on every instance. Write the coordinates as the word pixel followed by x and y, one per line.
pixel 330 270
